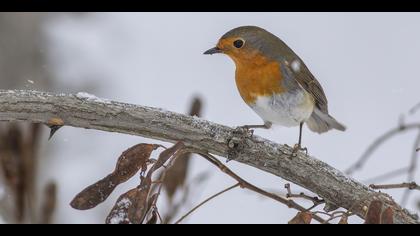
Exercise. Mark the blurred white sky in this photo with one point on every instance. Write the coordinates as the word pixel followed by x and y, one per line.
pixel 366 62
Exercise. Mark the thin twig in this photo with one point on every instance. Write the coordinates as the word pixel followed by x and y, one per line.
pixel 174 207
pixel 412 169
pixel 377 143
pixel 315 200
pixel 408 186
pixel 414 158
pixel 244 184
pixel 329 214
pixel 414 109
pixel 159 216
pixel 333 217
pixel 205 201
pixel 388 175
pixel 162 179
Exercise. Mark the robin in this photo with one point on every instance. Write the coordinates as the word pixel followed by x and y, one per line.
pixel 275 82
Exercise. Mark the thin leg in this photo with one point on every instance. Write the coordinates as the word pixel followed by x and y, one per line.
pixel 300 134
pixel 298 146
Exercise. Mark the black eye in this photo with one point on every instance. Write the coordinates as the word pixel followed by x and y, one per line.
pixel 238 43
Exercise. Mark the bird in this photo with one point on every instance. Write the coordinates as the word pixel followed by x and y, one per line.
pixel 275 83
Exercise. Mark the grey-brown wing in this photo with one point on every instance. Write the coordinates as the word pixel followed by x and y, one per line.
pixel 304 77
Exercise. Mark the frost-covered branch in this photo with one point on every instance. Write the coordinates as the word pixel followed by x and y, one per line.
pixel 86 111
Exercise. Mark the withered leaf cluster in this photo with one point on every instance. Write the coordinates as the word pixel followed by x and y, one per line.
pixel 138 205
pixel 129 163
pixel 301 218
pixel 376 214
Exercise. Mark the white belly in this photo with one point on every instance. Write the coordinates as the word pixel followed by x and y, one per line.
pixel 287 109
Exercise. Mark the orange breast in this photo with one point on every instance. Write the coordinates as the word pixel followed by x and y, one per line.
pixel 258 78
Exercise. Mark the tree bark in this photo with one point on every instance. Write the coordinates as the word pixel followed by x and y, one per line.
pixel 86 111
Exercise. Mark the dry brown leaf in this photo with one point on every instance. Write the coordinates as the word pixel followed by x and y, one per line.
pixel 176 175
pixel 50 202
pixel 119 213
pixel 343 220
pixel 387 216
pixel 301 218
pixel 138 210
pixel 94 194
pixel 132 160
pixel 196 107
pixel 141 204
pixel 128 164
pixel 153 219
pixel 133 206
pixel 373 215
pixel 166 154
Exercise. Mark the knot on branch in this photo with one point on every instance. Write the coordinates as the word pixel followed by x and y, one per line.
pixel 238 142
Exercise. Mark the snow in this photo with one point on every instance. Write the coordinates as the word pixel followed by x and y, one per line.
pixel 121 214
pixel 91 97
pixel 125 202
pixel 118 218
pixel 86 95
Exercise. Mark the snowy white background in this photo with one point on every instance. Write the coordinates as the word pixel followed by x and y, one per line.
pixel 367 63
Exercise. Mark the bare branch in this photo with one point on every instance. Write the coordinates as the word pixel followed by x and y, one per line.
pixel 245 184
pixel 378 142
pixel 412 169
pixel 414 109
pixel 388 175
pixel 409 186
pixel 94 113
pixel 334 215
pixel 315 200
pixel 414 158
pixel 205 201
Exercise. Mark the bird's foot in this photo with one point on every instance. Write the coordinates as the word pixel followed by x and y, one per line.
pixel 244 130
pixel 249 129
pixel 296 148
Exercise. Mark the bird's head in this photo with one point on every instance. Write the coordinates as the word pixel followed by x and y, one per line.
pixel 247 44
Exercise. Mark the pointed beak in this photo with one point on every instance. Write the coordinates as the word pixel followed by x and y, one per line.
pixel 212 51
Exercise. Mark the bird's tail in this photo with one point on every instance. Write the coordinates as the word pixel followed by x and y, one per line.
pixel 320 122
